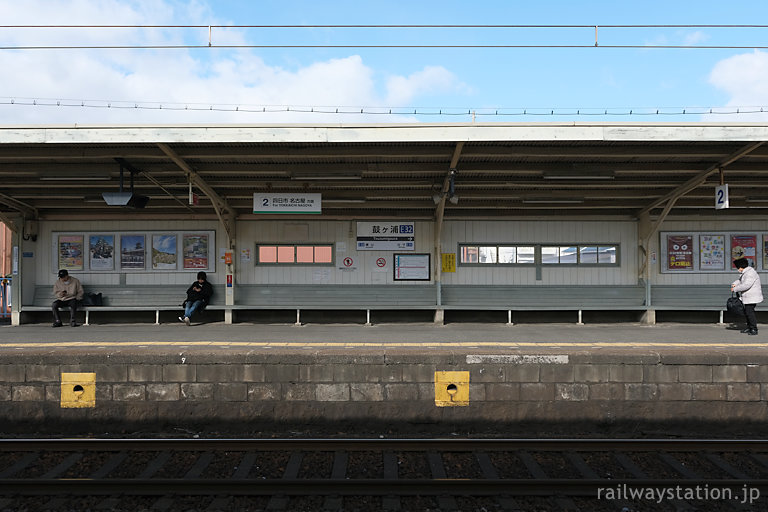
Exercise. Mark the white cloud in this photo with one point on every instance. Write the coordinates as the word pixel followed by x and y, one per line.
pixel 199 79
pixel 401 90
pixel 744 78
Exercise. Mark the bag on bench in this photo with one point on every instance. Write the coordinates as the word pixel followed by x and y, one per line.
pixel 92 299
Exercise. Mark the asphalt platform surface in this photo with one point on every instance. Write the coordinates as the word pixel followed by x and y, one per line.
pixel 403 335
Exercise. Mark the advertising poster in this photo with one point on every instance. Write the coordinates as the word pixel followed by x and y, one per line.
pixel 744 246
pixel 712 252
pixel 765 252
pixel 680 252
pixel 133 252
pixel 102 251
pixel 70 252
pixel 164 252
pixel 195 252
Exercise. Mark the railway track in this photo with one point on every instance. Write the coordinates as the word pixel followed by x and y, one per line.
pixel 386 474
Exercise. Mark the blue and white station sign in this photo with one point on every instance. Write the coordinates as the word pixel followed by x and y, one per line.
pixel 287 203
pixel 385 236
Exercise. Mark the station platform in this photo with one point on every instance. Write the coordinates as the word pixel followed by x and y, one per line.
pixel 156 376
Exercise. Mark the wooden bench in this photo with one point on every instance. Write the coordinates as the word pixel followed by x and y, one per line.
pixel 155 298
pixel 337 297
pixel 544 298
pixel 692 297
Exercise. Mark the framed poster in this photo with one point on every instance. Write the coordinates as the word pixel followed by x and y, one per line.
pixel 711 252
pixel 744 246
pixel 411 267
pixel 765 252
pixel 680 252
pixel 164 252
pixel 101 249
pixel 195 251
pixel 133 252
pixel 70 251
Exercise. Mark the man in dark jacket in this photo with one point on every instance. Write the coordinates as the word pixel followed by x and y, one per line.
pixel 198 296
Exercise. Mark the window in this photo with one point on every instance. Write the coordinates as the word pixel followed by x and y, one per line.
pixel 496 254
pixel 566 254
pixel 559 255
pixel 287 254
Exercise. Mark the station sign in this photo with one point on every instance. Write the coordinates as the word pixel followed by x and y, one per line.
pixel 385 236
pixel 287 203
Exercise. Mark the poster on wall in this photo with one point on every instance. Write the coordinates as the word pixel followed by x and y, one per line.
pixel 765 252
pixel 70 251
pixel 102 252
pixel 195 252
pixel 133 252
pixel 164 252
pixel 744 246
pixel 680 252
pixel 711 252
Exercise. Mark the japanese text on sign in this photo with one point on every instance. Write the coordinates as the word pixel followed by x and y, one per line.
pixel 287 203
pixel 384 236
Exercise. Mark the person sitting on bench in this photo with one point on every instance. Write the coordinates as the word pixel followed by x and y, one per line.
pixel 198 296
pixel 68 292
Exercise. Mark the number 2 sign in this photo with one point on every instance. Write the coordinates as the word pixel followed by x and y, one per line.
pixel 721 197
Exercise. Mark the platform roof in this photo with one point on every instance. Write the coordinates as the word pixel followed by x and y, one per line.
pixel 500 170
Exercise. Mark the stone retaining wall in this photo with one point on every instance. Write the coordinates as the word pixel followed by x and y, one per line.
pixel 396 387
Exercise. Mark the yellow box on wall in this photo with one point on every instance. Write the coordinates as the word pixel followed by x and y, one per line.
pixel 78 390
pixel 452 388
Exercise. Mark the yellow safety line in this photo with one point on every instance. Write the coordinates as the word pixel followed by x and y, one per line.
pixel 463 344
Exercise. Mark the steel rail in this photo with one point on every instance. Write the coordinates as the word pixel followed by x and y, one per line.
pixel 330 444
pixel 358 487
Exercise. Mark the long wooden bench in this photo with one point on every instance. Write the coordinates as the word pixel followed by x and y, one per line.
pixel 337 297
pixel 157 298
pixel 544 298
pixel 692 298
pixel 154 298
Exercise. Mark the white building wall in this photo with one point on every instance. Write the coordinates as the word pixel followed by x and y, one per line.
pixel 706 226
pixel 623 233
pixel 342 234
pixel 42 269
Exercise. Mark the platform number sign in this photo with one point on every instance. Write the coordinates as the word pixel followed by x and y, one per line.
pixel 721 197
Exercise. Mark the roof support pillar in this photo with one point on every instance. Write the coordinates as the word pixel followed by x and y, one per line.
pixel 439 215
pixel 224 211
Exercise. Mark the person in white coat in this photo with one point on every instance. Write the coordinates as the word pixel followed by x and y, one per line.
pixel 751 291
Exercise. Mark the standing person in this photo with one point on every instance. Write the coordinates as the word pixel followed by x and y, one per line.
pixel 68 291
pixel 198 296
pixel 748 285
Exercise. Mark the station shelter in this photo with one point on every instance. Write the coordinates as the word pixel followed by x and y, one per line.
pixel 561 220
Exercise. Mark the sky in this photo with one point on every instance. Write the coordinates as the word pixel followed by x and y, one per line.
pixel 316 84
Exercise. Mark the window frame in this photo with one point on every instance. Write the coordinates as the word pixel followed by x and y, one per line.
pixel 538 248
pixel 294 263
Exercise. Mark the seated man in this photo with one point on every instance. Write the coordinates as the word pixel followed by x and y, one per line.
pixel 198 296
pixel 68 291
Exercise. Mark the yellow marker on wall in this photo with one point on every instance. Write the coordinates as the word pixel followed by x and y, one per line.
pixel 448 262
pixel 452 389
pixel 78 390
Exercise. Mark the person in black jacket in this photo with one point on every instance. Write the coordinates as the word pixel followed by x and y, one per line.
pixel 198 296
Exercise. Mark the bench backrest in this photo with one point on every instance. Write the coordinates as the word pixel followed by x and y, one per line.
pixel 138 295
pixel 609 297
pixel 693 295
pixel 335 295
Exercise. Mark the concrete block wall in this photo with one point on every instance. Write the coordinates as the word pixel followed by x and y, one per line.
pixel 388 386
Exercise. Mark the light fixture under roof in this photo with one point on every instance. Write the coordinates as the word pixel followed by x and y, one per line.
pixel 312 176
pixel 578 175
pixel 553 200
